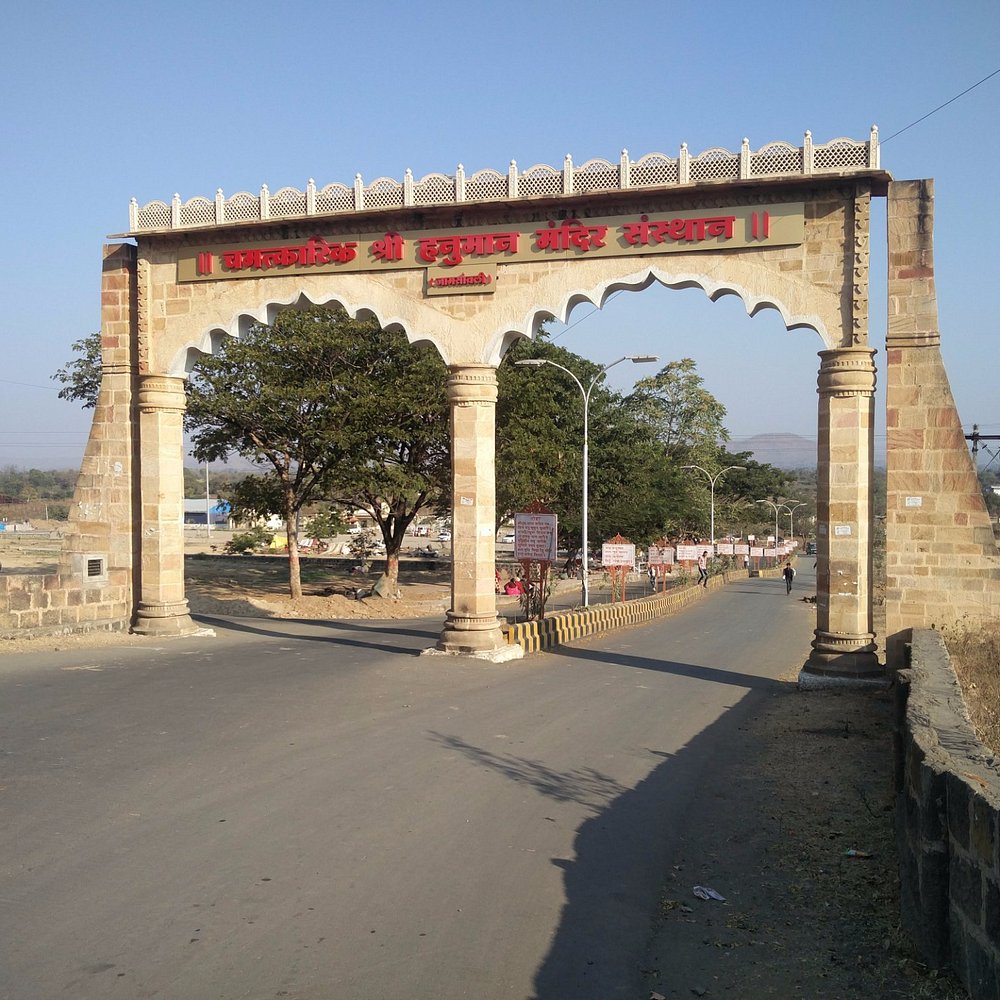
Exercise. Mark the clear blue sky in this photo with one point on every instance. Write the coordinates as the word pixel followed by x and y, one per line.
pixel 101 102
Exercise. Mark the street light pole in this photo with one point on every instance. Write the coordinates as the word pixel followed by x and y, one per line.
pixel 791 514
pixel 713 480
pixel 537 363
pixel 777 507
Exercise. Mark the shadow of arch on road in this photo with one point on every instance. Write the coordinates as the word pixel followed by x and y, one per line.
pixel 717 675
pixel 585 786
pixel 293 631
pixel 622 854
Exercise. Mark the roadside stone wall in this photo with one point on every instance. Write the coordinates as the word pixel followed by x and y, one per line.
pixel 38 604
pixel 947 823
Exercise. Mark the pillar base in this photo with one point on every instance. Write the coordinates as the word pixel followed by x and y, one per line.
pixel 471 635
pixel 842 658
pixel 164 619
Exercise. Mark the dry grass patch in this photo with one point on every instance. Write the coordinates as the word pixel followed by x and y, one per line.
pixel 975 653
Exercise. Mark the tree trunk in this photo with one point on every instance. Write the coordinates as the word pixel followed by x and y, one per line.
pixel 392 570
pixel 292 533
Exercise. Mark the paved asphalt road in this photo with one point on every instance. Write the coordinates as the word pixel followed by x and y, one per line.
pixel 313 811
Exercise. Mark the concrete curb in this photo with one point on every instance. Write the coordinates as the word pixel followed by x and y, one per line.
pixel 565 626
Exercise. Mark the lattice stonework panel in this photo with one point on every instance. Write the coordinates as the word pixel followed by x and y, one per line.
pixel 288 201
pixel 434 189
pixel 155 215
pixel 242 207
pixel 384 192
pixel 198 212
pixel 335 198
pixel 486 185
pixel 715 164
pixel 654 169
pixel 596 175
pixel 839 154
pixel 540 179
pixel 776 158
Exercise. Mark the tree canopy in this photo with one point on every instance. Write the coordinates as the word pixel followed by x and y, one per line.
pixel 335 408
pixel 81 378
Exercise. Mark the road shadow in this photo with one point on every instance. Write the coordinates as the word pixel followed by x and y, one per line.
pixel 696 671
pixel 295 629
pixel 585 786
pixel 613 881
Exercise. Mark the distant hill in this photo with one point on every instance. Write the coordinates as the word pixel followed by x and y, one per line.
pixel 783 451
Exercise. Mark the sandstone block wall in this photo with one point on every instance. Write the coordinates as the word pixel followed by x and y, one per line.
pixel 34 605
pixel 947 823
pixel 942 563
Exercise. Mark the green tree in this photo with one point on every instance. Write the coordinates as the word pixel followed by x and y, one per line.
pixel 684 415
pixel 540 434
pixel 266 398
pixel 81 378
pixel 394 441
pixel 335 409
pixel 540 450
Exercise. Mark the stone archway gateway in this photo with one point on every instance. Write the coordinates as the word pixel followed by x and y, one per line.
pixel 471 263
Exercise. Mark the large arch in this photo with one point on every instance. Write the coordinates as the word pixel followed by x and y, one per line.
pixel 783 228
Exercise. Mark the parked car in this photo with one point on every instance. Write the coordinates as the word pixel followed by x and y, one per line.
pixel 810 548
pixel 444 536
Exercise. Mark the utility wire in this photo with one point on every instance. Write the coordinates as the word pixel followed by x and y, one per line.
pixel 940 106
pixel 596 309
pixel 30 385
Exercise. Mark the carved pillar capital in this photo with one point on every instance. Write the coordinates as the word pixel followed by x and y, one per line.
pixel 472 385
pixel 161 393
pixel 847 371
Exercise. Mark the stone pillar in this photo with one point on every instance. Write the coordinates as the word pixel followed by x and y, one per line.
pixel 472 625
pixel 844 647
pixel 162 607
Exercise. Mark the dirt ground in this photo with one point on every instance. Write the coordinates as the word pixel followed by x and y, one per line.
pixel 799 840
pixel 231 586
pixel 810 782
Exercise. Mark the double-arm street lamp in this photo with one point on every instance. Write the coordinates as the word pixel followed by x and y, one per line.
pixel 713 480
pixel 777 507
pixel 537 363
pixel 791 514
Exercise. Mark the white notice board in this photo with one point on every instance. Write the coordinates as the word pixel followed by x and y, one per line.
pixel 535 537
pixel 618 554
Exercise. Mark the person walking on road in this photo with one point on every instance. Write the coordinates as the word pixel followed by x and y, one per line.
pixel 789 574
pixel 703 568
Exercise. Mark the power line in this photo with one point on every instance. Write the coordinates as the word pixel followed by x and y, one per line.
pixel 596 309
pixel 30 385
pixel 940 106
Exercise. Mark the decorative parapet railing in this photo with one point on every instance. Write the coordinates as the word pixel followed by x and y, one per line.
pixel 776 159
